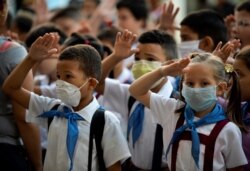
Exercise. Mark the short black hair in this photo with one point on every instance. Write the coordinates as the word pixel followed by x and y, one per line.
pixel 207 23
pixel 109 34
pixel 88 58
pixel 42 30
pixel 77 38
pixel 137 7
pixel 71 12
pixel 165 40
pixel 244 6
pixel 24 19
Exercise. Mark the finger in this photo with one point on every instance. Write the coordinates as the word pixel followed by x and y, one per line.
pixel 175 13
pixel 170 8
pixel 218 46
pixel 133 51
pixel 134 37
pixel 118 36
pixel 52 51
pixel 168 62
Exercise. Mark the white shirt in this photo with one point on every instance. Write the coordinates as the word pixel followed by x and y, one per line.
pixel 118 95
pixel 228 152
pixel 57 159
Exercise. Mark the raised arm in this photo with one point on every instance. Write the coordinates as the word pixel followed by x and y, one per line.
pixel 42 48
pixel 122 50
pixel 140 88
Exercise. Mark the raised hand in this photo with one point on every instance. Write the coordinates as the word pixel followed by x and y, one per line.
pixel 225 51
pixel 175 68
pixel 123 44
pixel 167 18
pixel 44 47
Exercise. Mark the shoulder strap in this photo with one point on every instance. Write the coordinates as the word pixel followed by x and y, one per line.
pixel 131 101
pixel 96 131
pixel 158 149
pixel 51 119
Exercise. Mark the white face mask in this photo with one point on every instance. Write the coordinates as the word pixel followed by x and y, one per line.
pixel 69 93
pixel 187 47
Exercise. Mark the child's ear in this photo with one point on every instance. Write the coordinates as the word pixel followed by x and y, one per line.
pixel 206 44
pixel 221 88
pixel 93 83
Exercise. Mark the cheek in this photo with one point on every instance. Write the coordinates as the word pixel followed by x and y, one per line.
pixel 244 88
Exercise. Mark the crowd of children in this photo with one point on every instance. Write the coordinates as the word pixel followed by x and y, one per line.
pixel 86 90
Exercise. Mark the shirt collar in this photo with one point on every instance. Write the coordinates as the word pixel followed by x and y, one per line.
pixel 88 111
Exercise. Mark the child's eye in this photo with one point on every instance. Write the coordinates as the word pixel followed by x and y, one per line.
pixel 137 59
pixel 68 76
pixel 205 84
pixel 189 84
pixel 150 59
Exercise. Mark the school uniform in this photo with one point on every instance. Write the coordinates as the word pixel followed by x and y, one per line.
pixel 57 159
pixel 142 151
pixel 228 152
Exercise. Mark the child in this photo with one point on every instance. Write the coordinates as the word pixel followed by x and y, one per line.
pixel 242 68
pixel 242 23
pixel 202 139
pixel 154 48
pixel 78 72
pixel 202 30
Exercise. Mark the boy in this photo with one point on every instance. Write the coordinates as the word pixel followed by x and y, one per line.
pixel 154 48
pixel 78 71
pixel 202 30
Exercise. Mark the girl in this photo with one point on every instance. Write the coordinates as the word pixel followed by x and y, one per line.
pixel 200 136
pixel 242 68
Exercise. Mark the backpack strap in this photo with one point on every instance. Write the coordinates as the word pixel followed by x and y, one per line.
pixel 158 149
pixel 96 131
pixel 131 101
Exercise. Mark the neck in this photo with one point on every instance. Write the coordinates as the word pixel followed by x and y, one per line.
pixel 83 103
pixel 203 113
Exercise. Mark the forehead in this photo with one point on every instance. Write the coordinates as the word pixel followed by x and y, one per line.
pixel 151 49
pixel 239 65
pixel 188 34
pixel 69 65
pixel 242 15
pixel 198 71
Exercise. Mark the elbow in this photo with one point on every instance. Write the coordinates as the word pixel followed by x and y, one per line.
pixel 132 91
pixel 6 88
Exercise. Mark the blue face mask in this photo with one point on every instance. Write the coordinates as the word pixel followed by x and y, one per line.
pixel 199 99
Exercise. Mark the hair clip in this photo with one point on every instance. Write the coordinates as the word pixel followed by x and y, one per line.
pixel 229 68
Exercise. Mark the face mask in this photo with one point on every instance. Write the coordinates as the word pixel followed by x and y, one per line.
pixel 199 99
pixel 187 47
pixel 142 67
pixel 68 93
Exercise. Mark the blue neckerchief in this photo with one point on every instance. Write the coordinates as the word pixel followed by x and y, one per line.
pixel 135 121
pixel 245 109
pixel 216 115
pixel 73 132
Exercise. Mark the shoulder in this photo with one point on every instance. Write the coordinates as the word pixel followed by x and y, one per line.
pixel 110 117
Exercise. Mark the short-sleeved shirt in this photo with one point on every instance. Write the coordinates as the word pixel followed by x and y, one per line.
pixel 11 54
pixel 113 143
pixel 228 152
pixel 246 144
pixel 117 95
